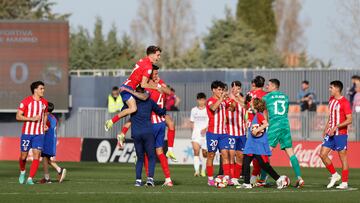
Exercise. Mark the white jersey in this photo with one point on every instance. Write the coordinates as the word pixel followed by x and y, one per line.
pixel 200 119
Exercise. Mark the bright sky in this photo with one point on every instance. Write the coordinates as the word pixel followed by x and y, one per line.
pixel 318 34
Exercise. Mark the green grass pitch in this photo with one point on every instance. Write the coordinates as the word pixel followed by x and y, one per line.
pixel 94 182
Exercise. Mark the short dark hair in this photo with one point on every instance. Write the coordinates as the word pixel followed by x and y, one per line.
pixel 337 84
pixel 115 88
pixel 225 86
pixel 201 95
pixel 305 82
pixel 276 82
pixel 35 85
pixel 155 67
pixel 355 77
pixel 50 107
pixel 259 81
pixel 216 84
pixel 236 83
pixel 152 50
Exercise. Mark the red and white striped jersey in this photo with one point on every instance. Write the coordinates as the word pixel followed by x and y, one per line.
pixel 338 109
pixel 159 98
pixel 236 123
pixel 32 108
pixel 258 93
pixel 217 118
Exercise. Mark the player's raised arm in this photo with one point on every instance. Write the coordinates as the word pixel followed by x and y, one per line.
pixel 142 96
pixel 145 83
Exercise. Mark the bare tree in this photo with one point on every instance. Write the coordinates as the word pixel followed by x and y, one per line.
pixel 347 29
pixel 166 23
pixel 290 35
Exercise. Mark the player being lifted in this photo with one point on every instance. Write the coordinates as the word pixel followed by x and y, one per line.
pixel 139 76
pixel 158 122
pixel 216 137
pixel 199 120
pixel 336 133
pixel 236 129
pixel 32 111
pixel 277 105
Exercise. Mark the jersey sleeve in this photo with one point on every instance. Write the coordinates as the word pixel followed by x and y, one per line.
pixel 23 105
pixel 209 103
pixel 162 83
pixel 147 70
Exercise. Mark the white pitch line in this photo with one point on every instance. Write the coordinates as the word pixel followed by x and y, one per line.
pixel 240 191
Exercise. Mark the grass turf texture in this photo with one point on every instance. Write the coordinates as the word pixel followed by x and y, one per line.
pixel 94 182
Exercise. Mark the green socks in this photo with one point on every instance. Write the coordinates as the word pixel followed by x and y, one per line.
pixel 295 165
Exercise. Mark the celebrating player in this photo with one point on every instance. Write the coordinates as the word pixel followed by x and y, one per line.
pixel 236 128
pixel 257 91
pixel 335 134
pixel 199 120
pixel 49 149
pixel 277 105
pixel 158 122
pixel 139 76
pixel 257 146
pixel 142 131
pixel 32 111
pixel 216 137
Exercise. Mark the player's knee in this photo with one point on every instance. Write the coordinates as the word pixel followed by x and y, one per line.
pixel 323 156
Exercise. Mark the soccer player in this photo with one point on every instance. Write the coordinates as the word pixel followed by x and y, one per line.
pixel 236 128
pixel 257 146
pixel 158 123
pixel 139 76
pixel 257 91
pixel 216 137
pixel 49 148
pixel 142 131
pixel 32 111
pixel 199 120
pixel 335 134
pixel 277 105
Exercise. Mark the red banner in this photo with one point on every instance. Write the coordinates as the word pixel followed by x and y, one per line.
pixel 308 155
pixel 68 149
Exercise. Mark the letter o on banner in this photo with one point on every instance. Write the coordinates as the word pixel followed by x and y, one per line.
pixel 24 72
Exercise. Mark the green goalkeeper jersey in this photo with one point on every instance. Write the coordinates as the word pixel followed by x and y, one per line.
pixel 277 105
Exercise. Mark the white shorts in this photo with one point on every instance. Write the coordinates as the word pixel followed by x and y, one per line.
pixel 200 140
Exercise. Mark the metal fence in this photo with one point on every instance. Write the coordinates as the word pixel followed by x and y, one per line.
pixel 89 123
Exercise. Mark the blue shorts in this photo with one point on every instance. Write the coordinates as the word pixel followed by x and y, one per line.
pixel 159 134
pixel 237 143
pixel 49 146
pixel 28 142
pixel 336 142
pixel 217 141
pixel 126 95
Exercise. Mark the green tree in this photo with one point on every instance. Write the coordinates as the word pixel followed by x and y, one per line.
pixel 193 58
pixel 98 46
pixel 232 44
pixel 29 9
pixel 112 48
pixel 259 16
pixel 80 54
pixel 128 53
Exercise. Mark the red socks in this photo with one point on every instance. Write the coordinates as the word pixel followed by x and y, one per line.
pixel 115 119
pixel 331 168
pixel 226 168
pixel 237 170
pixel 124 130
pixel 256 169
pixel 232 170
pixel 33 168
pixel 22 164
pixel 345 176
pixel 171 137
pixel 164 165
pixel 210 171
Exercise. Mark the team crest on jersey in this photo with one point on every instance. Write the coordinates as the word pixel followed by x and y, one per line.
pixel 21 105
pixel 149 71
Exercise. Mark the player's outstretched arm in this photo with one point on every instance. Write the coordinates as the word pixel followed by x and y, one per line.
pixel 20 117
